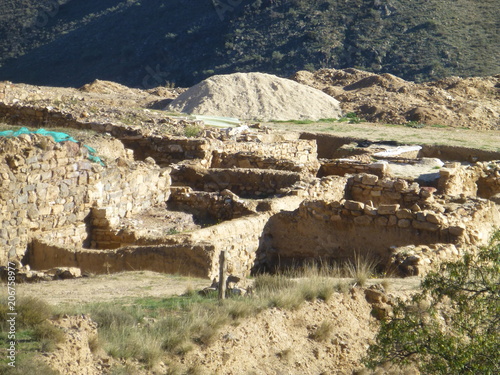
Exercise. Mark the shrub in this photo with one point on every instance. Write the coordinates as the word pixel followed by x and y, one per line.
pixel 192 131
pixel 453 325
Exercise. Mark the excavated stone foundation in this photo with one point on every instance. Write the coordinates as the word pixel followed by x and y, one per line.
pixel 268 200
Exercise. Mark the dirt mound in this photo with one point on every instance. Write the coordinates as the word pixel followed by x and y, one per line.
pixel 284 342
pixel 458 102
pixel 106 87
pixel 74 355
pixel 256 96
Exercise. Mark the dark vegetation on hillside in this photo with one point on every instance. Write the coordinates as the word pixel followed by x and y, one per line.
pixel 152 42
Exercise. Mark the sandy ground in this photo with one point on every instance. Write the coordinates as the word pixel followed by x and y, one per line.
pixel 138 284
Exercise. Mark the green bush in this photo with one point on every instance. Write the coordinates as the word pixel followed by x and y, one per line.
pixel 453 325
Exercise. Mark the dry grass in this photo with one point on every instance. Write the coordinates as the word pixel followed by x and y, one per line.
pixel 360 269
pixel 322 332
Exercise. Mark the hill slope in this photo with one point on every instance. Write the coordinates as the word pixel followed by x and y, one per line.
pixel 144 44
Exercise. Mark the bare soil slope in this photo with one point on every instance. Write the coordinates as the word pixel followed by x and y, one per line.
pixel 458 102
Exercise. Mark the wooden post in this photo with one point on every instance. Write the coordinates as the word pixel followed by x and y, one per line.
pixel 222 275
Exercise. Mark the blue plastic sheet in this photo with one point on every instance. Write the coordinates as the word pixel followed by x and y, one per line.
pixel 57 136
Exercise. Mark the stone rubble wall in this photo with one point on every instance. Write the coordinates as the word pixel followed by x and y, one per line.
pixel 214 207
pixel 371 189
pixel 342 167
pixel 297 155
pixel 244 182
pixel 338 230
pixel 481 179
pixel 187 259
pixel 169 150
pixel 330 188
pixel 194 253
pixel 48 189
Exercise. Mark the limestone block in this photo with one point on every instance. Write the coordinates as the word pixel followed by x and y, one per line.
pixel 404 223
pixel 388 209
pixel 434 218
pixel 57 209
pixel 354 205
pixel 393 220
pixel 400 185
pixel 382 221
pixel 405 214
pixel 369 179
pixel 363 220
pixel 456 230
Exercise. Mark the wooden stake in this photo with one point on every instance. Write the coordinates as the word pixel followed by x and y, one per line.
pixel 222 275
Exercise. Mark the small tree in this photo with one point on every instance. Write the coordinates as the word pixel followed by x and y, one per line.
pixel 453 325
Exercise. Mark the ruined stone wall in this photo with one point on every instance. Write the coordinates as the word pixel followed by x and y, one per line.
pixel 169 150
pixel 481 179
pixel 190 259
pixel 247 183
pixel 369 188
pixel 214 207
pixel 48 189
pixel 196 253
pixel 338 230
pixel 240 237
pixel 298 155
pixel 341 167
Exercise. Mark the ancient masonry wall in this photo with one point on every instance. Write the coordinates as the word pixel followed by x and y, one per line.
pixel 244 182
pixel 196 253
pixel 481 179
pixel 214 207
pixel 341 167
pixel 48 189
pixel 371 189
pixel 297 156
pixel 338 230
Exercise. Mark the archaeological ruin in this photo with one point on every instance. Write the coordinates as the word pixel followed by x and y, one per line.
pixel 272 200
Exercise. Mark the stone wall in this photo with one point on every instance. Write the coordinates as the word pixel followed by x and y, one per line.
pixel 211 207
pixel 371 189
pixel 195 253
pixel 341 167
pixel 169 150
pixel 50 188
pixel 481 179
pixel 297 156
pixel 244 182
pixel 190 259
pixel 338 230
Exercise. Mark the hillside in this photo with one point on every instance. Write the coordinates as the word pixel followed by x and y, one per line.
pixel 146 44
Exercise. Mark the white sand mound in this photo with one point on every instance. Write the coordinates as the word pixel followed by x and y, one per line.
pixel 256 96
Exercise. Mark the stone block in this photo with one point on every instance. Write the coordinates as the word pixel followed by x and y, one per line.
pixel 363 220
pixel 354 205
pixel 393 220
pixel 405 214
pixel 388 209
pixel 404 223
pixel 369 179
pixel 400 185
pixel 456 230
